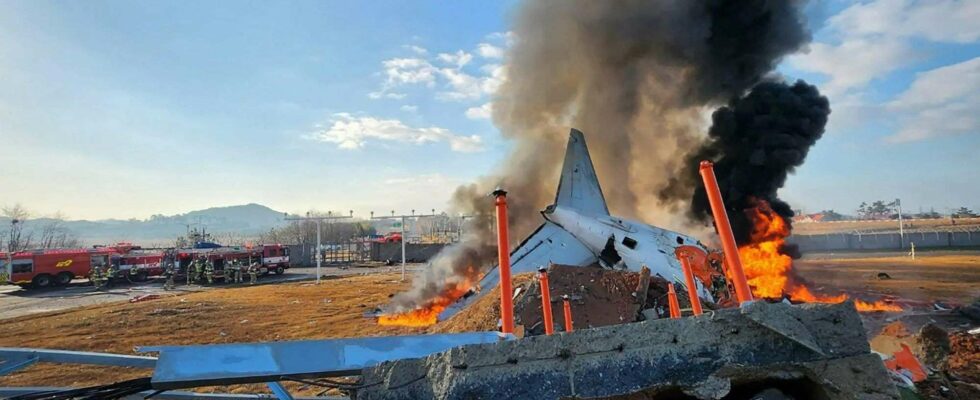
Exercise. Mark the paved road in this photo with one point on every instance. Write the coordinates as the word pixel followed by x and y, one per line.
pixel 15 301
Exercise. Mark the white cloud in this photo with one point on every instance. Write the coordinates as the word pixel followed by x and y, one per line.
pixel 417 49
pixel 487 50
pixel 350 132
pixel 409 108
pixel 870 40
pixel 940 102
pixel 409 70
pixel 455 74
pixel 463 86
pixel 854 62
pixel 481 112
pixel 935 20
pixel 383 94
pixel 458 59
pixel 508 37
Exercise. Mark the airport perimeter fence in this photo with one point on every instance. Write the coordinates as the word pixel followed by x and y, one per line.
pixel 922 239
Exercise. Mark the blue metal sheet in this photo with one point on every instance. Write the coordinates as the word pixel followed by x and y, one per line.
pixel 220 364
pixel 76 357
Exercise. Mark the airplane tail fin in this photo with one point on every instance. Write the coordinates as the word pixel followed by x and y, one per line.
pixel 579 186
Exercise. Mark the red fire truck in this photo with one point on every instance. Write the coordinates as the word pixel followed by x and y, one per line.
pixel 55 267
pixel 271 258
pixel 44 268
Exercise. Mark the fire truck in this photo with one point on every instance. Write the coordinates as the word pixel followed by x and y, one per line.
pixel 57 267
pixel 45 268
pixel 272 258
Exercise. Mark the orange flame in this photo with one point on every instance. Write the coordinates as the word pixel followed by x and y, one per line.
pixel 770 272
pixel 429 313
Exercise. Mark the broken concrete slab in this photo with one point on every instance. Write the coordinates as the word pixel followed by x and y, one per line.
pixel 708 357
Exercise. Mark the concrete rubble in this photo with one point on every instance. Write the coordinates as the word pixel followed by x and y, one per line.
pixel 800 351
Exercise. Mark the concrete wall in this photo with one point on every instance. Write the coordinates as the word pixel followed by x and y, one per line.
pixel 886 241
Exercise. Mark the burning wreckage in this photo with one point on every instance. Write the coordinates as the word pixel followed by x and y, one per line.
pixel 616 343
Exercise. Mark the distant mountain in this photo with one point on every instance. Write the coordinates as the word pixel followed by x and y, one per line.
pixel 248 220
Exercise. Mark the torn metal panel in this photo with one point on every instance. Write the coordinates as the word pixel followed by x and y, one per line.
pixel 221 364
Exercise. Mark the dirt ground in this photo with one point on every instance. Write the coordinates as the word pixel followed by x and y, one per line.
pixel 946 277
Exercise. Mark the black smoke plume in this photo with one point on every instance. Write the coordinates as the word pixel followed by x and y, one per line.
pixel 755 142
pixel 636 76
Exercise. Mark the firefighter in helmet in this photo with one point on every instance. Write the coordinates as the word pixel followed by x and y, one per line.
pixel 231 272
pixel 199 268
pixel 209 271
pixel 97 276
pixel 168 272
pixel 253 273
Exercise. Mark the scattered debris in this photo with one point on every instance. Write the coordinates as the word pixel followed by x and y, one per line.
pixel 144 297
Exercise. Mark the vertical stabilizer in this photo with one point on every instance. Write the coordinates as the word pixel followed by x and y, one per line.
pixel 579 186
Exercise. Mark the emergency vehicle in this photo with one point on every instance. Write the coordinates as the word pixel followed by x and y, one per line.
pixel 271 258
pixel 57 267
pixel 45 268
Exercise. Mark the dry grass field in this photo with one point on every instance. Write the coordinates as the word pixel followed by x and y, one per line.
pixel 953 278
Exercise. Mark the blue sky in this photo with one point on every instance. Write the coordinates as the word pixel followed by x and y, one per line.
pixel 126 109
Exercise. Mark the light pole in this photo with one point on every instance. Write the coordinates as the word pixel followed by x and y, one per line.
pixel 403 218
pixel 319 247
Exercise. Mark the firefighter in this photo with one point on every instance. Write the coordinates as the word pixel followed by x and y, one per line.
pixel 240 272
pixel 231 272
pixel 209 271
pixel 253 273
pixel 97 277
pixel 199 269
pixel 168 272
pixel 134 272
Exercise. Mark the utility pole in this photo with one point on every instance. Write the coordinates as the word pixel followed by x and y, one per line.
pixel 403 219
pixel 901 226
pixel 319 247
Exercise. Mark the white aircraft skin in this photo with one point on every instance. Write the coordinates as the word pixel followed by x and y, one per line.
pixel 578 230
pixel 654 246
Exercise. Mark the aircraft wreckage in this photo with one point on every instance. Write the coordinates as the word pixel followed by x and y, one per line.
pixel 809 351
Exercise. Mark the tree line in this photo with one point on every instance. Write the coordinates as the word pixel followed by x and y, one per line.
pixel 21 232
pixel 880 209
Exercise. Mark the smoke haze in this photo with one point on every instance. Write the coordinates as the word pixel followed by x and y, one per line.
pixel 755 142
pixel 637 77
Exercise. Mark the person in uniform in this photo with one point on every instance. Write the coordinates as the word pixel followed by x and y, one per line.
pixel 253 273
pixel 168 272
pixel 231 272
pixel 199 269
pixel 97 277
pixel 209 271
pixel 134 272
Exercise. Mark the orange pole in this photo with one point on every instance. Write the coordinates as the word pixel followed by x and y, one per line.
pixel 742 291
pixel 549 323
pixel 503 255
pixel 692 289
pixel 568 313
pixel 675 307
